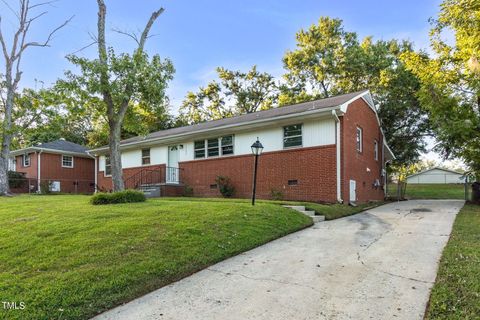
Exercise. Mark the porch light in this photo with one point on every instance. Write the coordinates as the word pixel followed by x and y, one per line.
pixel 257 149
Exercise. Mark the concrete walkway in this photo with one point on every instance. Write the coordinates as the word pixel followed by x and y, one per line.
pixel 380 264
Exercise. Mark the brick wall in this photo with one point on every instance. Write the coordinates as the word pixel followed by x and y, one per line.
pixel 312 168
pixel 30 171
pixel 361 166
pixel 105 183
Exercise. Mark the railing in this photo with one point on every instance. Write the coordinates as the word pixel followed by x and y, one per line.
pixel 146 177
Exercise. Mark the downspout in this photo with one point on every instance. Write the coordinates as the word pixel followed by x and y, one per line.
pixel 339 163
pixel 39 172
pixel 96 171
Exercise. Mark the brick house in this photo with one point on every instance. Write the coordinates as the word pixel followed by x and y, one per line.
pixel 328 150
pixel 60 166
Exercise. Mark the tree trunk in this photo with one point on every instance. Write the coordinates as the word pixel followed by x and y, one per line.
pixel 116 157
pixel 6 135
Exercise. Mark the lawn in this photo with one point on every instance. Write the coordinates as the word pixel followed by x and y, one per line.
pixel 431 191
pixel 66 259
pixel 456 293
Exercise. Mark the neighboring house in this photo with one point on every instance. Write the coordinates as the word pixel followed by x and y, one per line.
pixel 326 150
pixel 436 176
pixel 60 166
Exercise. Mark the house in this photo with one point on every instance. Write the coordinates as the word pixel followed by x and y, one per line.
pixel 328 150
pixel 436 175
pixel 57 166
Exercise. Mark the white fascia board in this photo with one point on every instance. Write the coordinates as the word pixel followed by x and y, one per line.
pixel 36 149
pixel 243 126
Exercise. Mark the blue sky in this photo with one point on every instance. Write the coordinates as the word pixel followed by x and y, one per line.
pixel 198 36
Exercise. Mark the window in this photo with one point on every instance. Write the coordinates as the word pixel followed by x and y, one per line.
pixel 67 161
pixel 108 166
pixel 26 160
pixel 145 156
pixel 227 145
pixel 292 136
pixel 359 139
pixel 292 182
pixel 199 149
pixel 375 150
pixel 212 147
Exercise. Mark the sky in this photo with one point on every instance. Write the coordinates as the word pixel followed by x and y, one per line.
pixel 199 36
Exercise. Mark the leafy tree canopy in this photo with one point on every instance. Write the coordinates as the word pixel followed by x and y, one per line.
pixel 450 80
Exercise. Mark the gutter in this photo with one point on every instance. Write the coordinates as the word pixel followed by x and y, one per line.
pixel 253 122
pixel 337 144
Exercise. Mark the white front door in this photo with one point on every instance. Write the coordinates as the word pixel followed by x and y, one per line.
pixel 172 168
pixel 353 191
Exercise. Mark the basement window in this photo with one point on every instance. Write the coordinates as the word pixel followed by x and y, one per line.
pixel 145 156
pixel 292 182
pixel 292 136
pixel 67 161
pixel 213 186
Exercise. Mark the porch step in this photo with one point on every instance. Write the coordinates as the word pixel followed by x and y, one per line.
pixel 309 213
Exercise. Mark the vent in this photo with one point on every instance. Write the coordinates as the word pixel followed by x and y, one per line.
pixel 292 182
pixel 213 186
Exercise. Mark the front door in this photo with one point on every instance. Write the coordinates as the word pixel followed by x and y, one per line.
pixel 172 168
pixel 353 191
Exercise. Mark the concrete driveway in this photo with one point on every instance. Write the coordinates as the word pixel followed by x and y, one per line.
pixel 380 264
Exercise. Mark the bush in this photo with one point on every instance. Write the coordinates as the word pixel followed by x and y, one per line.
pixel 16 179
pixel 276 194
pixel 225 186
pixel 188 191
pixel 126 196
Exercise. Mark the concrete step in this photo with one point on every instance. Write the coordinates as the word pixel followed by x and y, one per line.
pixel 318 219
pixel 308 213
pixel 298 208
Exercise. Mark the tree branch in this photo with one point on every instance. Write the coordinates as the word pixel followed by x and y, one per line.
pixel 145 32
pixel 46 43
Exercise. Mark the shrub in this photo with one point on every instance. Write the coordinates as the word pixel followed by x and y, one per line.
pixel 16 179
pixel 276 194
pixel 126 196
pixel 188 191
pixel 46 187
pixel 225 186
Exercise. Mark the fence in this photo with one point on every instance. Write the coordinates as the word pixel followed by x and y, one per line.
pixel 401 190
pixel 45 186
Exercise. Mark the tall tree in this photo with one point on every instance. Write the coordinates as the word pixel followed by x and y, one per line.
pixel 121 81
pixel 450 80
pixel 237 93
pixel 329 60
pixel 26 14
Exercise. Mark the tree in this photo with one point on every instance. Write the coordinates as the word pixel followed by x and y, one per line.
pixel 13 56
pixel 237 93
pixel 450 80
pixel 329 60
pixel 114 83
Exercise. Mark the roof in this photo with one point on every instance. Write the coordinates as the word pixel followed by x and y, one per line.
pixel 435 168
pixel 57 146
pixel 264 115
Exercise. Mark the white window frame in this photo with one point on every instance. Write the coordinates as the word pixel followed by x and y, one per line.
pixel 220 147
pixel 359 140
pixel 149 157
pixel 24 157
pixel 300 135
pixel 63 159
pixel 375 150
pixel 109 165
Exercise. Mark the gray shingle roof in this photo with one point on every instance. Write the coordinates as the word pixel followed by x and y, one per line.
pixel 259 115
pixel 63 145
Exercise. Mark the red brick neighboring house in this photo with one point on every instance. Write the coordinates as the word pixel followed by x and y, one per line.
pixel 57 166
pixel 328 150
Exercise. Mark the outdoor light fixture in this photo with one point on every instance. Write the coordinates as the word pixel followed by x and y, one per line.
pixel 257 149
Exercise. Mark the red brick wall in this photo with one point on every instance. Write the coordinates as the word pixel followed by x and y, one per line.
pixel 313 168
pixel 355 164
pixel 31 171
pixel 80 178
pixel 105 183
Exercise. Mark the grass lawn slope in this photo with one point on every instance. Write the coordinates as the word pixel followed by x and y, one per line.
pixel 431 191
pixel 456 293
pixel 66 259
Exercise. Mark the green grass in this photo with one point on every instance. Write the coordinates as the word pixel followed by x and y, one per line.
pixel 456 293
pixel 431 191
pixel 67 259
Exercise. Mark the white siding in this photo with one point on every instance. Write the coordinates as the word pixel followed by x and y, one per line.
pixel 314 133
pixel 436 176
